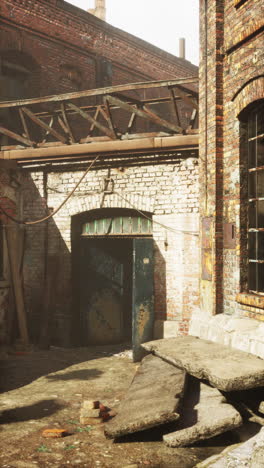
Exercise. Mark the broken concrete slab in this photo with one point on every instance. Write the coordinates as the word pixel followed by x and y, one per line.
pixel 250 454
pixel 152 399
pixel 205 414
pixel 261 407
pixel 225 368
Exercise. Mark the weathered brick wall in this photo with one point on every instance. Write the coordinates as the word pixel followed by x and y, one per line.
pixel 232 62
pixel 168 191
pixel 58 35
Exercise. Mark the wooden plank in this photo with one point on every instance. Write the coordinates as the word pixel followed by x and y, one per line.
pixel 47 132
pixel 131 122
pixel 193 119
pixel 109 116
pixel 25 127
pixel 152 102
pixel 14 260
pixel 15 136
pixel 66 121
pixel 145 114
pixel 175 106
pixel 44 125
pixel 97 112
pixel 92 120
pixel 49 294
pixel 186 98
pixel 101 91
pixel 161 121
pixel 62 124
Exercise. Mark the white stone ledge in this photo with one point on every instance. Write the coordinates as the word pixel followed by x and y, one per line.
pixel 240 333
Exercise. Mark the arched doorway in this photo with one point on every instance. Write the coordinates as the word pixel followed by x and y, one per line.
pixel 116 278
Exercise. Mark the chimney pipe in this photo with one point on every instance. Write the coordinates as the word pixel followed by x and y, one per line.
pixel 182 48
pixel 99 10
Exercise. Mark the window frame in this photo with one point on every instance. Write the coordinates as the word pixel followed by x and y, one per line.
pixel 255 200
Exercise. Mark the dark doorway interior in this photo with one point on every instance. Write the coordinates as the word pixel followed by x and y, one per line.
pixel 106 290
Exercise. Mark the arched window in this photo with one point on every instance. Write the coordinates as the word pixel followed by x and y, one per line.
pixel 255 218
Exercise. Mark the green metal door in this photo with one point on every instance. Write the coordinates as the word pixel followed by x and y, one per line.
pixel 102 291
pixel 142 295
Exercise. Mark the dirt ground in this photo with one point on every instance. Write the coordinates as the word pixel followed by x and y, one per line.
pixel 45 389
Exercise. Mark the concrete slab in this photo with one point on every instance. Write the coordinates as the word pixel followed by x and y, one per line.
pixel 247 455
pixel 205 414
pixel 152 399
pixel 225 368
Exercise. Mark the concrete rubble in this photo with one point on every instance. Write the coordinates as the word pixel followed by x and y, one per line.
pixel 261 407
pixel 250 454
pixel 205 414
pixel 225 368
pixel 182 382
pixel 152 399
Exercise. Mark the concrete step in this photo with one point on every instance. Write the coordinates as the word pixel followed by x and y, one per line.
pixel 152 399
pixel 224 367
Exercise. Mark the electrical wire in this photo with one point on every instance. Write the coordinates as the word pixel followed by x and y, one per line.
pixel 177 231
pixel 46 218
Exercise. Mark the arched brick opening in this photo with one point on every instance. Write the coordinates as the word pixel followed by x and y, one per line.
pixel 107 277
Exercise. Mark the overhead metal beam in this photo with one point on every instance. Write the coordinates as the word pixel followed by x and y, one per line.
pixel 183 142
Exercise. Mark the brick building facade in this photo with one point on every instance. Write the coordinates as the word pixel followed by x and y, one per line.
pixel 231 177
pixel 50 47
pixel 148 189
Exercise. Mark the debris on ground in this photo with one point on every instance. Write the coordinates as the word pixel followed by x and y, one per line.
pixel 94 412
pixel 46 389
pixel 211 400
pixel 152 399
pixel 54 433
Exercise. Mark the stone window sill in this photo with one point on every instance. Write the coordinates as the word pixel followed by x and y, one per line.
pixel 252 300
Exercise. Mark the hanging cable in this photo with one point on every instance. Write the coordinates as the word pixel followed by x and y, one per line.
pixel 46 218
pixel 177 231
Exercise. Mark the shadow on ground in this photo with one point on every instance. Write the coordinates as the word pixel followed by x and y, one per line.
pixel 38 410
pixel 21 369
